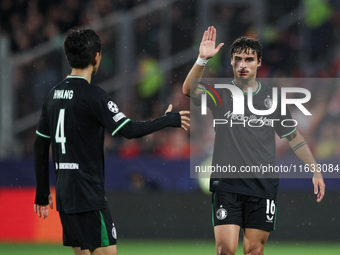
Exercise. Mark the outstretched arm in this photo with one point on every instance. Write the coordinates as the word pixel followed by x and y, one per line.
pixel 206 51
pixel 301 149
pixel 136 129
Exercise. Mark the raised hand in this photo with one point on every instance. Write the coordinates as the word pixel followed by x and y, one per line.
pixel 207 47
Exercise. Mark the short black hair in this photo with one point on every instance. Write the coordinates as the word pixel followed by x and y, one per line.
pixel 244 44
pixel 81 46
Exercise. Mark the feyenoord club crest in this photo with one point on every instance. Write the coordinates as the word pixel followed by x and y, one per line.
pixel 268 102
pixel 221 214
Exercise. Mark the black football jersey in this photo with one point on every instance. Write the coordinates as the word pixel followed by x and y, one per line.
pixel 74 117
pixel 247 140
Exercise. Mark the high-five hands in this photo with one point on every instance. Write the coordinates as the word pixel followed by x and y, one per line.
pixel 207 47
pixel 185 121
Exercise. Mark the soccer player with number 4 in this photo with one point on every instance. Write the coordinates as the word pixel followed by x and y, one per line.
pixel 74 117
pixel 247 203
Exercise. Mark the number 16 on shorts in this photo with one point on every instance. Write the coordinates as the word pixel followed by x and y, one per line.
pixel 270 210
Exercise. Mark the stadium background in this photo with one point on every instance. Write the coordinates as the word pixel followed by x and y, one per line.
pixel 148 48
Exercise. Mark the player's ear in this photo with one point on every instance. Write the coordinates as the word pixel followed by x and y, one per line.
pixel 96 59
pixel 259 63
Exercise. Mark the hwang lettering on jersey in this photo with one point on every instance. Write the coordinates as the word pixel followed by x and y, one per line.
pixel 63 94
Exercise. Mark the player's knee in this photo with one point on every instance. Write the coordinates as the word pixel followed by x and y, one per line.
pixel 107 250
pixel 222 249
pixel 254 249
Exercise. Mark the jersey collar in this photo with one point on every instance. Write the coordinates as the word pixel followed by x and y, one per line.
pixel 75 76
pixel 254 93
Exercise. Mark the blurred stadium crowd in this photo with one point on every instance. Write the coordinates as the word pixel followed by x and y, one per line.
pixel 29 23
pixel 307 47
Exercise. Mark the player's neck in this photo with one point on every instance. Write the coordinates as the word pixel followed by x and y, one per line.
pixel 244 84
pixel 86 73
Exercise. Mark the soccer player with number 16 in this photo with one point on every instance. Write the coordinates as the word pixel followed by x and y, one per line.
pixel 247 203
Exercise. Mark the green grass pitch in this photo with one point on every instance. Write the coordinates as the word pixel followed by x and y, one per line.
pixel 157 247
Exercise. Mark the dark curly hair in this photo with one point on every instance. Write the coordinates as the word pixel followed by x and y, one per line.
pixel 81 45
pixel 244 45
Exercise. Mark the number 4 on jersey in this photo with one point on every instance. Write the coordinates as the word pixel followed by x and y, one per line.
pixel 60 134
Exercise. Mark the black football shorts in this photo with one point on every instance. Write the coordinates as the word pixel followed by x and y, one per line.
pixel 88 230
pixel 243 210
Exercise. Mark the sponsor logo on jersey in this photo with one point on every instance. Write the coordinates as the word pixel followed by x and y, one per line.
pixel 66 166
pixel 112 107
pixel 221 213
pixel 252 118
pixel 63 94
